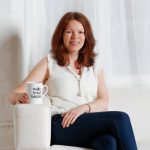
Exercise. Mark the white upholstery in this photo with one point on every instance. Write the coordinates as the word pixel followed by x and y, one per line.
pixel 32 122
pixel 63 147
pixel 32 128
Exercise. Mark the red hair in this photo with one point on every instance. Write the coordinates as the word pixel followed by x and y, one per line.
pixel 86 54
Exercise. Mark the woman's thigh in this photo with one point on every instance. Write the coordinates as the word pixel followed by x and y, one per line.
pixel 89 126
pixel 78 134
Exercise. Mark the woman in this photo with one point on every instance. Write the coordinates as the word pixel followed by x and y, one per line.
pixel 78 92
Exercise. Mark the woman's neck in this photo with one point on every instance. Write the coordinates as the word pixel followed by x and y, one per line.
pixel 73 58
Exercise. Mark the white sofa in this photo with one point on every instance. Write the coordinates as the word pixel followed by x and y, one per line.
pixel 32 124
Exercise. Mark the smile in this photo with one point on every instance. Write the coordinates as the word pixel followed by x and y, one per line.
pixel 74 43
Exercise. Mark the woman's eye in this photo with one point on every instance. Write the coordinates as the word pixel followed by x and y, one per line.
pixel 68 31
pixel 71 32
pixel 81 32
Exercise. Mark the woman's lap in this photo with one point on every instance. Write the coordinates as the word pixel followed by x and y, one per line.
pixel 92 125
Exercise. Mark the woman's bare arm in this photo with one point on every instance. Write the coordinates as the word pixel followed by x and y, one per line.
pixel 101 103
pixel 38 74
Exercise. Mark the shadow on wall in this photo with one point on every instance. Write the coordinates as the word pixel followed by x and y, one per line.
pixel 10 62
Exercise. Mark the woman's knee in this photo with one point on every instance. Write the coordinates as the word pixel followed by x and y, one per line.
pixel 121 116
pixel 105 142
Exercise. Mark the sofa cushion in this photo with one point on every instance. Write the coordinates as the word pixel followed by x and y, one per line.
pixel 64 147
pixel 32 127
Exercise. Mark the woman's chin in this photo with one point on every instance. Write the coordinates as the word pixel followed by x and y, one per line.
pixel 73 50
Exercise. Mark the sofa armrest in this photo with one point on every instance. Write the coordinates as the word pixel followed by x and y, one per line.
pixel 32 127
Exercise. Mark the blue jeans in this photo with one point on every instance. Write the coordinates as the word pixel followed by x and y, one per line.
pixel 110 130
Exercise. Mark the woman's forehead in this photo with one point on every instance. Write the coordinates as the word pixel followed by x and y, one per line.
pixel 74 24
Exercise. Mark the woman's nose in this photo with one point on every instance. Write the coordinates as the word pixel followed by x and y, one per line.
pixel 74 35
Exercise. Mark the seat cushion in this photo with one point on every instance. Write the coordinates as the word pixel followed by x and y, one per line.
pixel 64 147
pixel 143 145
pixel 32 127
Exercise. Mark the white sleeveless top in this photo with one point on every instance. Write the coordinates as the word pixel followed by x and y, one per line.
pixel 67 89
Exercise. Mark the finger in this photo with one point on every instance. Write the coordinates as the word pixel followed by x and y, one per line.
pixel 21 101
pixel 70 119
pixel 23 98
pixel 67 119
pixel 26 96
pixel 74 119
pixel 63 114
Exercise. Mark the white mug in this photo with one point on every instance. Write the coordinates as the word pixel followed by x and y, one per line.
pixel 35 92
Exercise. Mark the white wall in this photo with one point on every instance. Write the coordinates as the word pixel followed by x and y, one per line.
pixel 11 39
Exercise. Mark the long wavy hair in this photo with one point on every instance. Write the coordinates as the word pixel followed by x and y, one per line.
pixel 59 52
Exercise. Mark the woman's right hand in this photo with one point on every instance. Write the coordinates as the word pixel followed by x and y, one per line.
pixel 22 98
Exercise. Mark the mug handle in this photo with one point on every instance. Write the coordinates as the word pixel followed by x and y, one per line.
pixel 45 90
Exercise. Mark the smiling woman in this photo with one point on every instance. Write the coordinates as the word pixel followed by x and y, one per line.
pixel 74 37
pixel 78 92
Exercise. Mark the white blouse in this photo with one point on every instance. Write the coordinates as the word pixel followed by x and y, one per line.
pixel 67 89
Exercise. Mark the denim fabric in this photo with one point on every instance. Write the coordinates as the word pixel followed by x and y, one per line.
pixel 108 130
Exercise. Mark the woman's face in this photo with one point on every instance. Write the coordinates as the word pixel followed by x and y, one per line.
pixel 74 36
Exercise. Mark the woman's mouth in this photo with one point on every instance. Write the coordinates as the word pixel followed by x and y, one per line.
pixel 74 43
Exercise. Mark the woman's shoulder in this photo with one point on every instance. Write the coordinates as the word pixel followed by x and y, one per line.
pixel 52 64
pixel 98 64
pixel 50 58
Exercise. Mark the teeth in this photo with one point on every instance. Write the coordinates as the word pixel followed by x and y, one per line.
pixel 74 43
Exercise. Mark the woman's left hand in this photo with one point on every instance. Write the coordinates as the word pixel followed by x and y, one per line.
pixel 70 116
